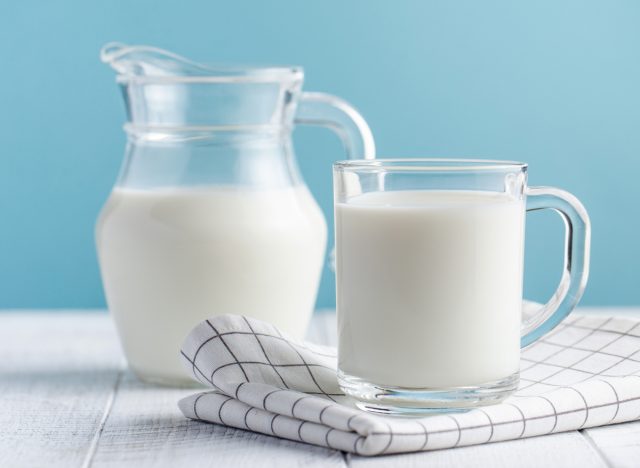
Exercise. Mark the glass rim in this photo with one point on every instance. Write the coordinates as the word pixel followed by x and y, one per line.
pixel 429 165
pixel 221 73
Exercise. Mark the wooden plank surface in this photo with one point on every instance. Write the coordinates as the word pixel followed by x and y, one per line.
pixel 57 374
pixel 619 444
pixel 67 401
pixel 146 429
pixel 566 450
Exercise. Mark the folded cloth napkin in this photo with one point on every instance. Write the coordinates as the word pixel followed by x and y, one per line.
pixel 585 373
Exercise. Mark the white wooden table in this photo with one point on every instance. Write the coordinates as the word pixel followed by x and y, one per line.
pixel 67 400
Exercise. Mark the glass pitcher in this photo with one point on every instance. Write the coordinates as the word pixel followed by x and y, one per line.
pixel 209 214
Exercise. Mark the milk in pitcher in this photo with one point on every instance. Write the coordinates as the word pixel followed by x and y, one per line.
pixel 172 257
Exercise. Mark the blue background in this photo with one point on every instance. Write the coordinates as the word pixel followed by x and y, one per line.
pixel 555 84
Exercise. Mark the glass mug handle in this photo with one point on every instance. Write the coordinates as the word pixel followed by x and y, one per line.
pixel 576 260
pixel 335 113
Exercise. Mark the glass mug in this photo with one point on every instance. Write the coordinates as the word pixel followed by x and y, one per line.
pixel 429 264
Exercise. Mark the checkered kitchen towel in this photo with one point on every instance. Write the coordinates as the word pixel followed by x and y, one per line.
pixel 585 373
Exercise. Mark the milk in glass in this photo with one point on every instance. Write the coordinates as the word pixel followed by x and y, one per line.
pixel 429 287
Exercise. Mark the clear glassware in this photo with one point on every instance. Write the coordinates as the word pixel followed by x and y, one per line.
pixel 429 264
pixel 209 214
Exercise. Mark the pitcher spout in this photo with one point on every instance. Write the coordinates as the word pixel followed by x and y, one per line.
pixel 142 60
pixel 162 88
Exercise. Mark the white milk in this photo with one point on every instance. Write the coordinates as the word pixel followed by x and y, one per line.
pixel 172 257
pixel 429 287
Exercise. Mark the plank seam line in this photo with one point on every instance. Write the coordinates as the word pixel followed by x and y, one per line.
pixel 93 447
pixel 594 446
pixel 346 459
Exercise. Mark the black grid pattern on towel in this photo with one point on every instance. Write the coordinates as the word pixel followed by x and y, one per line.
pixel 577 376
pixel 264 360
pixel 579 357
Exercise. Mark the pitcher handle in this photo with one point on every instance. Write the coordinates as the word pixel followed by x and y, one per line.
pixel 576 260
pixel 335 113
